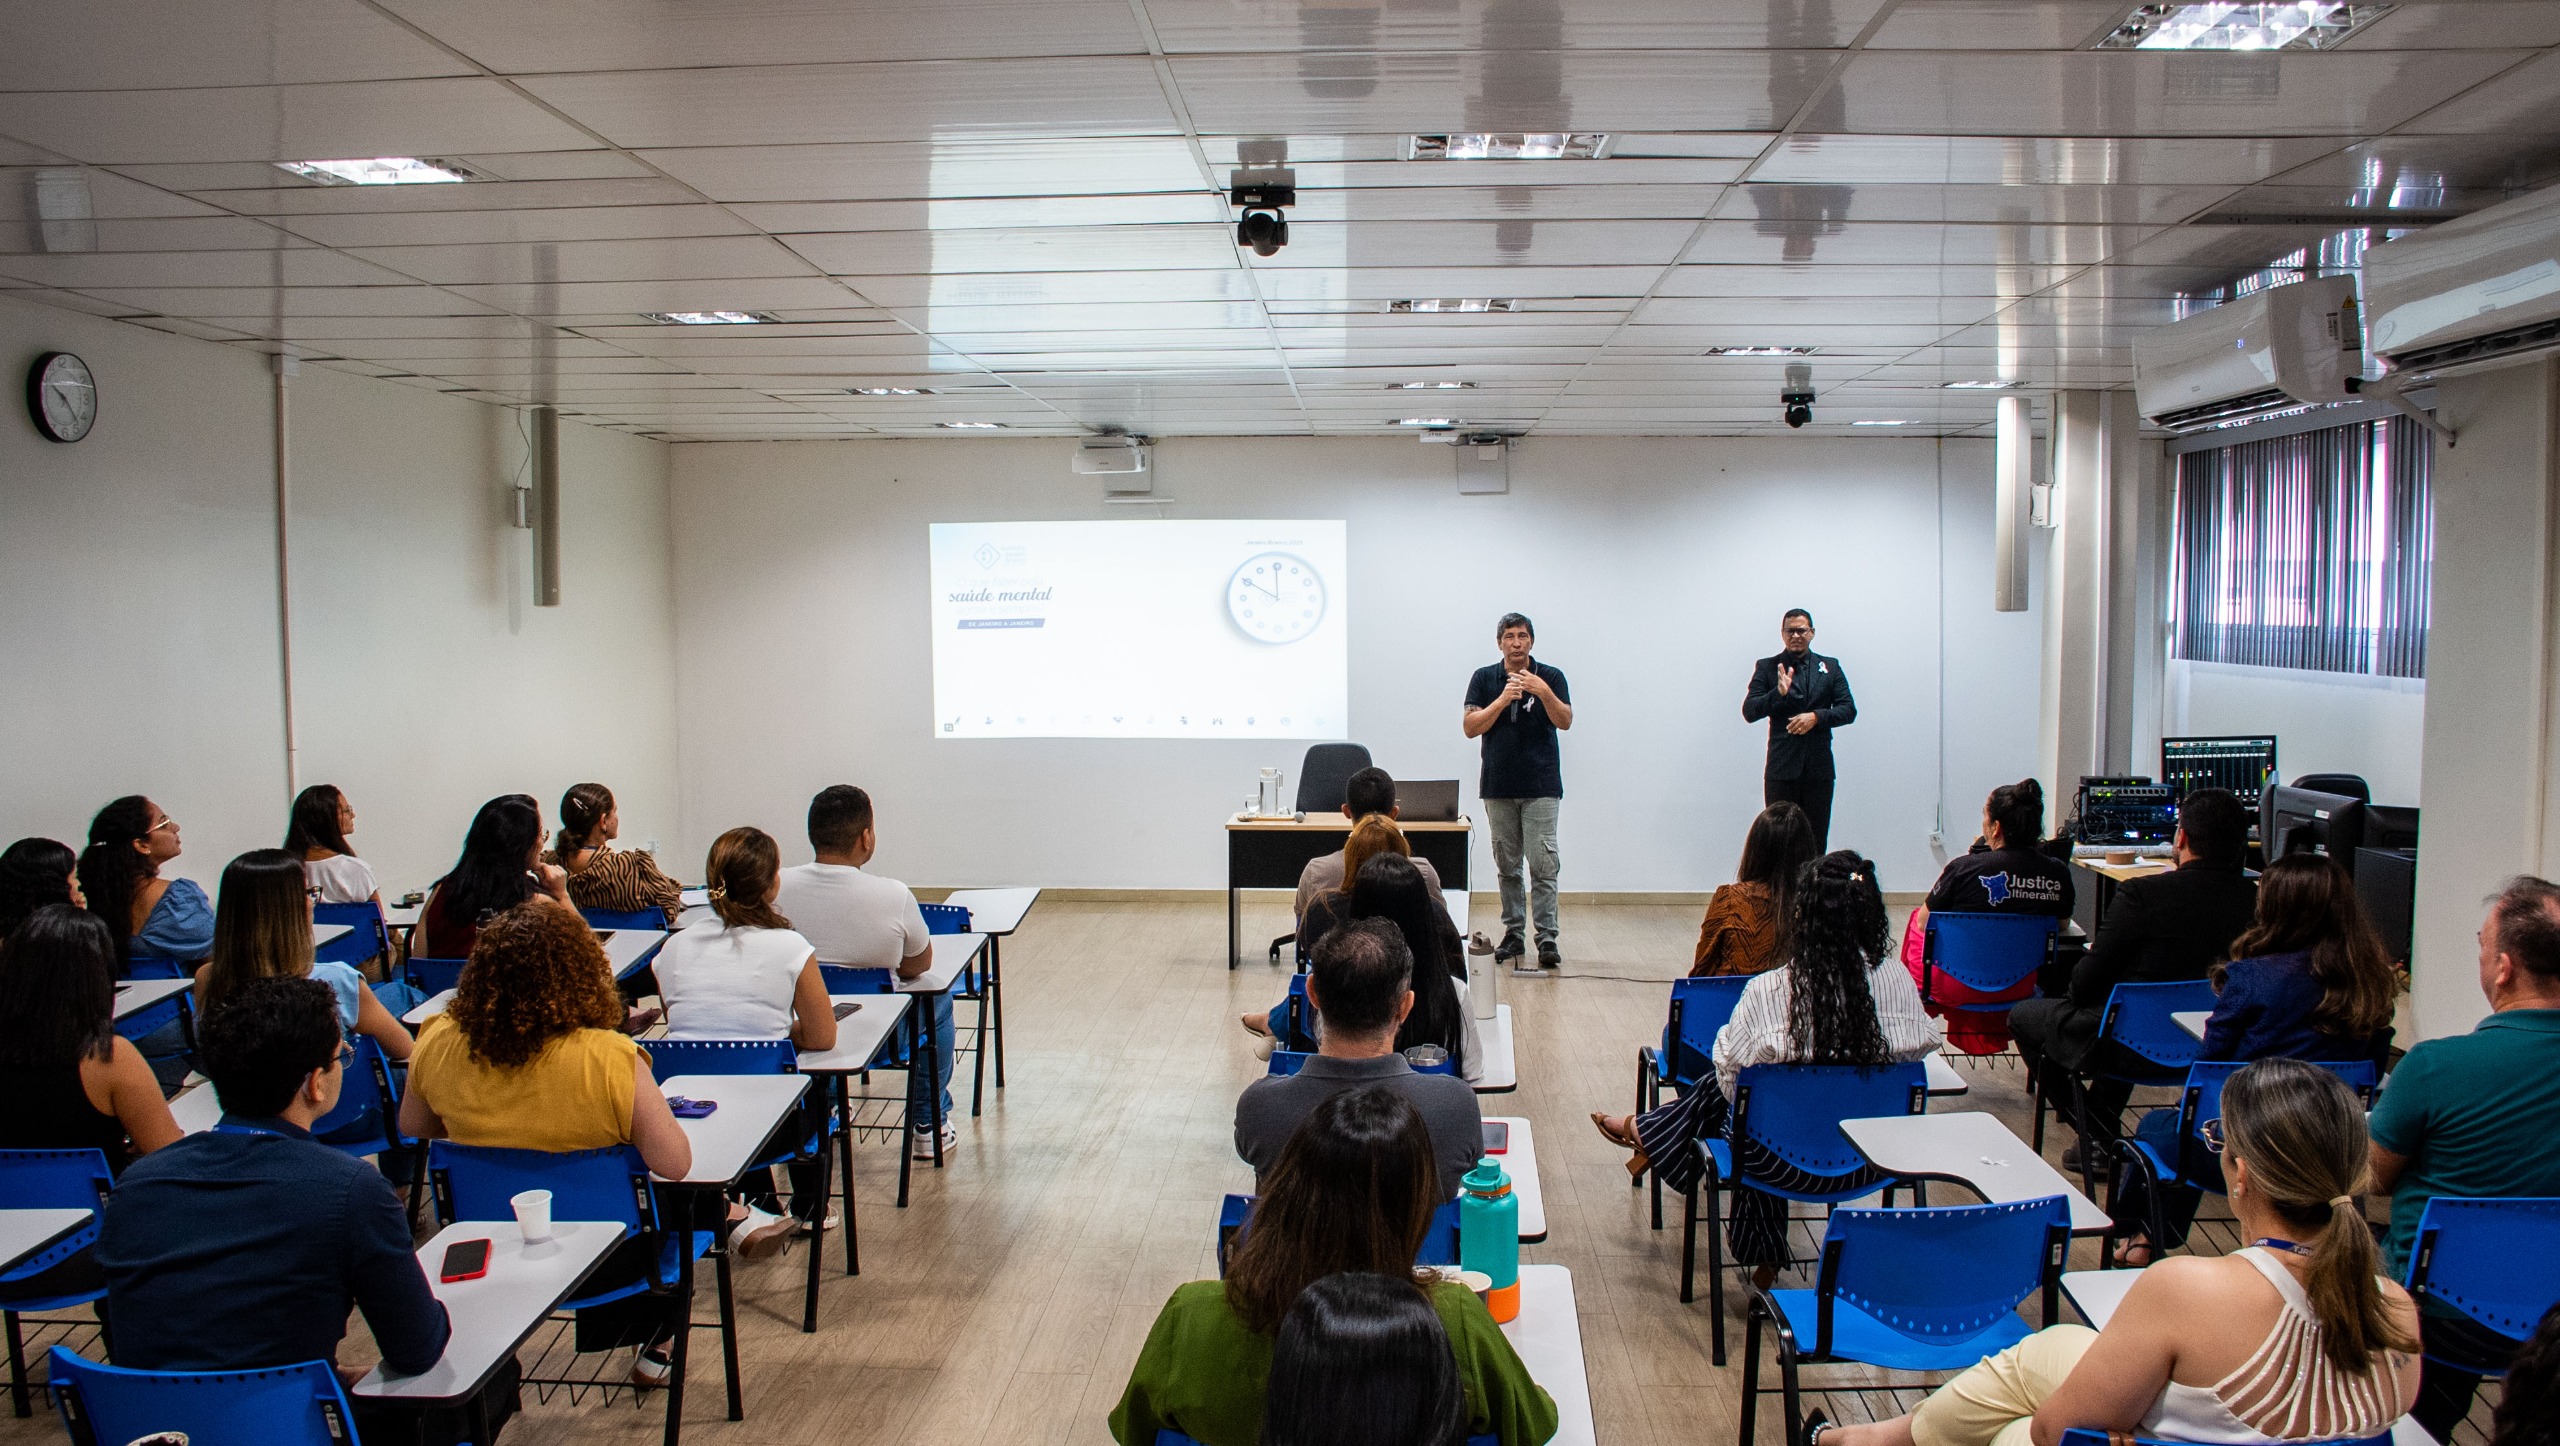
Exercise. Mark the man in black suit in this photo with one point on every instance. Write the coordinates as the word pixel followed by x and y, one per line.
pixel 2169 926
pixel 1804 695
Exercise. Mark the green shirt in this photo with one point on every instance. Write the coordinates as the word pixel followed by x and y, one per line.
pixel 2474 1114
pixel 1203 1374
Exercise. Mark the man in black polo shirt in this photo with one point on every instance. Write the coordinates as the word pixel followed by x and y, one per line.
pixel 1517 706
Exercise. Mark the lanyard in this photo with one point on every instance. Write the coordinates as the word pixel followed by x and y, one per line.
pixel 234 1127
pixel 2269 1242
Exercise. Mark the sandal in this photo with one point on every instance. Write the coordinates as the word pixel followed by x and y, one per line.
pixel 1816 1421
pixel 1638 1162
pixel 2124 1253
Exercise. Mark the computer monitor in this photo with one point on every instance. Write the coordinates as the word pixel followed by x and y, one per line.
pixel 2302 820
pixel 2241 764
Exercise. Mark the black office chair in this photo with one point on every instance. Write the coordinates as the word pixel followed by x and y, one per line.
pixel 2346 785
pixel 1322 779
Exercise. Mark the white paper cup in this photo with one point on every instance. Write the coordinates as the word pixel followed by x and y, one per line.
pixel 533 1215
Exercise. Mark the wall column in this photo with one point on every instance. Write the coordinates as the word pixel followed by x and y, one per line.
pixel 2073 731
pixel 2488 762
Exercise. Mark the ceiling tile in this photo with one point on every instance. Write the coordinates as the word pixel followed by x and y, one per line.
pixel 286 122
pixel 563 35
pixel 2035 161
pixel 1995 24
pixel 1505 91
pixel 904 101
pixel 147 44
pixel 2132 92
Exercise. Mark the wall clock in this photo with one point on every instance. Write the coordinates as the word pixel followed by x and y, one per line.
pixel 62 396
pixel 1276 597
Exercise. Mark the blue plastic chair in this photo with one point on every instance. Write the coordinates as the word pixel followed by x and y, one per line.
pixel 1794 1112
pixel 366 1119
pixel 478 1182
pixel 671 1057
pixel 2137 1020
pixel 156 966
pixel 432 977
pixel 1699 1009
pixel 1439 1243
pixel 47 1180
pixel 2496 1261
pixel 366 936
pixel 1986 953
pixel 1298 1020
pixel 604 919
pixel 1910 1290
pixel 1286 1062
pixel 299 1405
pixel 945 918
pixel 2202 1101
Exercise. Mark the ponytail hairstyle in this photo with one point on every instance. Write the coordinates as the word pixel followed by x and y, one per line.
pixel 1840 930
pixel 2301 1133
pixel 744 866
pixel 261 923
pixel 2307 903
pixel 34 872
pixel 1371 836
pixel 2019 810
pixel 112 868
pixel 314 823
pixel 582 808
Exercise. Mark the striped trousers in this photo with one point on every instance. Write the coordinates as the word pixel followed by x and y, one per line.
pixel 1756 1230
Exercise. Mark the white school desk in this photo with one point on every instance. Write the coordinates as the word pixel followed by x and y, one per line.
pixel 996 913
pixel 1548 1335
pixel 628 949
pixel 951 954
pixel 323 935
pixel 1943 1077
pixel 1974 1150
pixel 436 1004
pixel 1501 1073
pixel 141 994
pixel 1520 1162
pixel 1455 901
pixel 2192 1020
pixel 859 1036
pixel 30 1232
pixel 196 1111
pixel 493 1315
pixel 726 1140
pixel 2097 1293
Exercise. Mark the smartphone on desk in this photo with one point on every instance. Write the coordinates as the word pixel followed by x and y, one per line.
pixel 464 1260
pixel 1497 1136
pixel 846 1007
pixel 685 1109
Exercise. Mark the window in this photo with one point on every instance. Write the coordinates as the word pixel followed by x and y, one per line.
pixel 2308 551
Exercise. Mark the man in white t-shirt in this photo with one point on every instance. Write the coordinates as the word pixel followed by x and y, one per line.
pixel 865 920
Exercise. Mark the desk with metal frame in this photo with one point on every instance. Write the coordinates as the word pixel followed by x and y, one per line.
pixel 1270 853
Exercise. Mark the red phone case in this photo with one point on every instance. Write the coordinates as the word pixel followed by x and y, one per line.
pixel 445 1272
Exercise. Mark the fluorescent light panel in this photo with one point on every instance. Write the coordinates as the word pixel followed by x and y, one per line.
pixel 1491 146
pixel 1976 386
pixel 891 391
pixel 1430 386
pixel 1747 351
pixel 382 171
pixel 1427 422
pixel 1885 422
pixel 710 318
pixel 2288 25
pixel 972 426
pixel 1455 303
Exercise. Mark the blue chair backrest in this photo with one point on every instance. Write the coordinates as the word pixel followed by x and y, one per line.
pixel 625 918
pixel 432 977
pixel 671 1057
pixel 153 966
pixel 1286 1062
pixel 364 936
pixel 2137 1017
pixel 1300 1017
pixel 366 1119
pixel 2079 1436
pixel 1439 1243
pixel 1699 1008
pixel 1794 1110
pixel 2496 1261
pixel 945 918
pixel 152 1018
pixel 298 1405
pixel 476 1182
pixel 54 1180
pixel 1895 1265
pixel 857 979
pixel 2206 1077
pixel 1989 953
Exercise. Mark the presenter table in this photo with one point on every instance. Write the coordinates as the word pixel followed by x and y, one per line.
pixel 2100 886
pixel 1270 853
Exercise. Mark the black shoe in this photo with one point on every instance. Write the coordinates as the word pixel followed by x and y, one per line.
pixel 2071 1156
pixel 1816 1422
pixel 1511 947
pixel 1548 958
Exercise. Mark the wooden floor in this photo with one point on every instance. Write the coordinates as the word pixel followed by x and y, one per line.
pixel 1007 1302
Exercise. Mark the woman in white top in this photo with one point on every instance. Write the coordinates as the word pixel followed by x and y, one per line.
pixel 746 974
pixel 2294 1338
pixel 1843 998
pixel 317 835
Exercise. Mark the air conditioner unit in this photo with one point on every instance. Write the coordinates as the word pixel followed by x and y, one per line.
pixel 2273 350
pixel 2480 291
pixel 1121 458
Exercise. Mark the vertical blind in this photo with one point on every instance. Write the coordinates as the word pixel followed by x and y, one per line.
pixel 2309 551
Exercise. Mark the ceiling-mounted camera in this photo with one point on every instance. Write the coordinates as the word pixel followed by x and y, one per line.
pixel 1797 394
pixel 1261 194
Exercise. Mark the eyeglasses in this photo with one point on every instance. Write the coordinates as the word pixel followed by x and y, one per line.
pixel 1797 632
pixel 2212 1132
pixel 165 822
pixel 313 892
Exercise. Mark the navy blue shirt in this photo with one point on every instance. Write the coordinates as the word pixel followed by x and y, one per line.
pixel 1520 755
pixel 2265 1009
pixel 244 1247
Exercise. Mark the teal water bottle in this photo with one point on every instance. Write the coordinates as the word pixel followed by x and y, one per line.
pixel 1489 1235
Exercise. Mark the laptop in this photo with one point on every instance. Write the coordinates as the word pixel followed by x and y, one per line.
pixel 1427 800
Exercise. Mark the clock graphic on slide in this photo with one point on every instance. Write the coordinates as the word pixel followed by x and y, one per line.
pixel 1276 597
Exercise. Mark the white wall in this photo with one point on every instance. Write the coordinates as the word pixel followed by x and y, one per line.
pixel 2323 722
pixel 138 607
pixel 1655 569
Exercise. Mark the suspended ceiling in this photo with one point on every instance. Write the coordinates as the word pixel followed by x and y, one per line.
pixel 1018 208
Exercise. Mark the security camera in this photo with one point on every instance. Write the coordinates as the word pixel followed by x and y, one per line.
pixel 1261 194
pixel 1796 395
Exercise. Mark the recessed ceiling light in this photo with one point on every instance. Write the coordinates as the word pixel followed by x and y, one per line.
pixel 1532 146
pixel 1977 386
pixel 710 318
pixel 1758 351
pixel 891 391
pixel 1429 386
pixel 1426 422
pixel 1885 422
pixel 2289 25
pixel 972 426
pixel 1456 303
pixel 382 171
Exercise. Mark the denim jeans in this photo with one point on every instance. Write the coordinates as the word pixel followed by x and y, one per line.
pixel 918 1100
pixel 1524 831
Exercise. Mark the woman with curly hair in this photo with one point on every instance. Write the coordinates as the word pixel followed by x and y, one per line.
pixel 531 1056
pixel 1842 999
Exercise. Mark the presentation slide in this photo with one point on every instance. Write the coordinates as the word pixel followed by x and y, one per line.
pixel 1142 629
